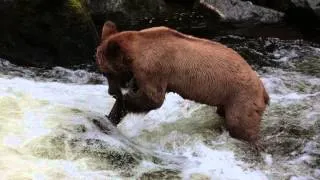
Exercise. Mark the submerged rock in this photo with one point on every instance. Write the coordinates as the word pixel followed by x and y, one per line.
pixel 310 65
pixel 165 174
pixel 100 154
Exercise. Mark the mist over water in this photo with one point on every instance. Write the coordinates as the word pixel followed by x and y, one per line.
pixel 50 126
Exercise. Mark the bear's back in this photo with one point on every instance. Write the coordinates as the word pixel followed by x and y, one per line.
pixel 170 35
pixel 194 62
pixel 195 51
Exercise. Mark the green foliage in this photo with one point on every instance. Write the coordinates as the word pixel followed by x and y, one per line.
pixel 78 9
pixel 76 4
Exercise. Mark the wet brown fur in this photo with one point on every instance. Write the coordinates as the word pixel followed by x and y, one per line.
pixel 164 60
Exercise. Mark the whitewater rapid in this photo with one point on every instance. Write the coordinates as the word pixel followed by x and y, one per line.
pixel 48 131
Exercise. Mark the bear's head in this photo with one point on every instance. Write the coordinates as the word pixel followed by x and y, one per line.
pixel 110 59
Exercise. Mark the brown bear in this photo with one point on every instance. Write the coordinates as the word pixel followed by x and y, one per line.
pixel 163 60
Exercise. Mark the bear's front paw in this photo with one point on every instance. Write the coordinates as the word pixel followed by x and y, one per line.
pixel 116 116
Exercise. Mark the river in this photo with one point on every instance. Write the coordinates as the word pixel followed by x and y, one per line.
pixel 49 118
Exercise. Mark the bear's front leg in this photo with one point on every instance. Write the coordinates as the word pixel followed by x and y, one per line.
pixel 117 112
pixel 144 99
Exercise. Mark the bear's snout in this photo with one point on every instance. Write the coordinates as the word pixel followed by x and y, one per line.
pixel 112 92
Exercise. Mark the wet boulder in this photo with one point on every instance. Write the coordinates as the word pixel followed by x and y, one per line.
pixel 238 11
pixel 139 14
pixel 303 14
pixel 243 18
pixel 303 6
pixel 127 14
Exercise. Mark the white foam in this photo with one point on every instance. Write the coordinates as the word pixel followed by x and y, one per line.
pixel 280 92
pixel 218 164
pixel 284 55
pixel 90 97
pixel 35 109
pixel 32 110
pixel 317 173
pixel 268 159
pixel 94 98
pixel 173 108
pixel 302 178
pixel 12 141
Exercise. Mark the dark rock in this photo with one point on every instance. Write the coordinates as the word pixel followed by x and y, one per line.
pixel 66 32
pixel 300 55
pixel 139 14
pixel 46 33
pixel 297 10
pixel 203 18
pixel 190 17
pixel 285 5
pixel 302 14
pixel 280 5
pixel 127 14
pixel 161 174
pixel 243 18
pixel 242 11
pixel 257 52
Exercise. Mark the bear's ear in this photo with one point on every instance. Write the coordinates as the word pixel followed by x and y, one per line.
pixel 108 29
